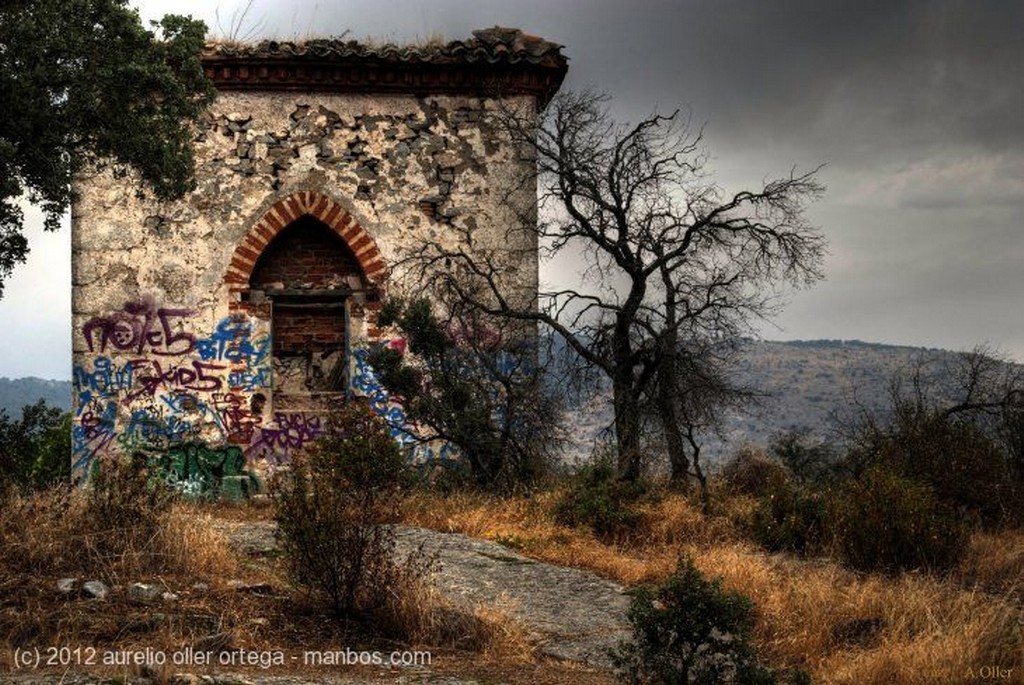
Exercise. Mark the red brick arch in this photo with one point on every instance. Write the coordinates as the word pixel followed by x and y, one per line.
pixel 287 210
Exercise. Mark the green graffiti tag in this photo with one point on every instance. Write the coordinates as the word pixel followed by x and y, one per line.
pixel 199 470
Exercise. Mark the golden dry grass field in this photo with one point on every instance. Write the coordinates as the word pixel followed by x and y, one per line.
pixel 842 627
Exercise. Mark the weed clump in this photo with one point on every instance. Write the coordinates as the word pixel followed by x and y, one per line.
pixel 752 472
pixel 792 519
pixel 600 500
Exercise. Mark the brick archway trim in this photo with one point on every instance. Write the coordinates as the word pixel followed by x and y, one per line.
pixel 293 207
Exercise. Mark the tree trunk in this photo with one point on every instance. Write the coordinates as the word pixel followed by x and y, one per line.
pixel 670 425
pixel 668 388
pixel 627 426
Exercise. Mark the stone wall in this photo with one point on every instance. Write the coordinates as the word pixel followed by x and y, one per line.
pixel 190 322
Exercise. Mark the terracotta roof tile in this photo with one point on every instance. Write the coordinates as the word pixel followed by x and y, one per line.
pixel 494 45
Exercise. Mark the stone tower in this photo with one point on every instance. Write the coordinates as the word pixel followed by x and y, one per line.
pixel 213 333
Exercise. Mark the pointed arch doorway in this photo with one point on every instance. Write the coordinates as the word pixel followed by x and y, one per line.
pixel 308 274
pixel 312 274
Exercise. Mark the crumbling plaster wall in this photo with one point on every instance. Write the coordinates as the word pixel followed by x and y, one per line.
pixel 164 352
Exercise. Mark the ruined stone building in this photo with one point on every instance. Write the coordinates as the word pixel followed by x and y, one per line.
pixel 214 332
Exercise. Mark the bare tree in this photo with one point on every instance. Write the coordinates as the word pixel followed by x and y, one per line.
pixel 669 261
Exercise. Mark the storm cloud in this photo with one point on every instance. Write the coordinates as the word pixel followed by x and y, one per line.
pixel 916 109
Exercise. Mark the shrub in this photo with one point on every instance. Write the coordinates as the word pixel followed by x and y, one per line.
pixel 792 519
pixel 599 500
pixel 809 461
pixel 964 467
pixel 887 522
pixel 125 508
pixel 119 526
pixel 334 511
pixel 752 472
pixel 689 631
pixel 474 381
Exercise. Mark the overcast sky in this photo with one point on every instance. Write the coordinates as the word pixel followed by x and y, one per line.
pixel 915 108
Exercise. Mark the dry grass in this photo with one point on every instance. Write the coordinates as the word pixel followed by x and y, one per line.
pixel 842 627
pixel 192 546
pixel 50 535
pixel 56 533
pixel 995 562
pixel 422 616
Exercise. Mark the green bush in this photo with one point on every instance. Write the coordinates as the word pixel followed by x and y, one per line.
pixel 334 511
pixel 598 499
pixel 886 522
pixel 791 518
pixel 35 451
pixel 690 631
pixel 965 467
pixel 473 380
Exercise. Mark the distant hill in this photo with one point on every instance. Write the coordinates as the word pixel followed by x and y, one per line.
pixel 16 393
pixel 806 384
pixel 810 383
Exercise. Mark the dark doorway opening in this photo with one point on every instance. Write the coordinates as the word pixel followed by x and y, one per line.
pixel 308 273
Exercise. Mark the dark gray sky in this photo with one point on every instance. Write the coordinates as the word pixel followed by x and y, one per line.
pixel 915 108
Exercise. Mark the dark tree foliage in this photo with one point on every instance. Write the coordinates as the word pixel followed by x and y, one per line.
pixel 811 461
pixel 474 383
pixel 35 451
pixel 82 82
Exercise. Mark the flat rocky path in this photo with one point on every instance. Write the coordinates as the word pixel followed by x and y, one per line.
pixel 572 615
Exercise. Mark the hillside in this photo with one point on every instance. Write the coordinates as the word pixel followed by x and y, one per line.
pixel 18 392
pixel 805 384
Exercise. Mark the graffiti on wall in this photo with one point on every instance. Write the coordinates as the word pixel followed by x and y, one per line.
pixel 140 327
pixel 198 404
pixel 366 383
pixel 148 384
pixel 199 469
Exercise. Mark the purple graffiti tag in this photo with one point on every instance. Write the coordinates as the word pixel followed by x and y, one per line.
pixel 151 376
pixel 139 327
pixel 291 432
pixel 239 421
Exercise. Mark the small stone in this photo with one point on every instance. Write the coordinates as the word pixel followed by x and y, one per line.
pixel 96 589
pixel 169 597
pixel 141 592
pixel 201 587
pixel 185 679
pixel 67 585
